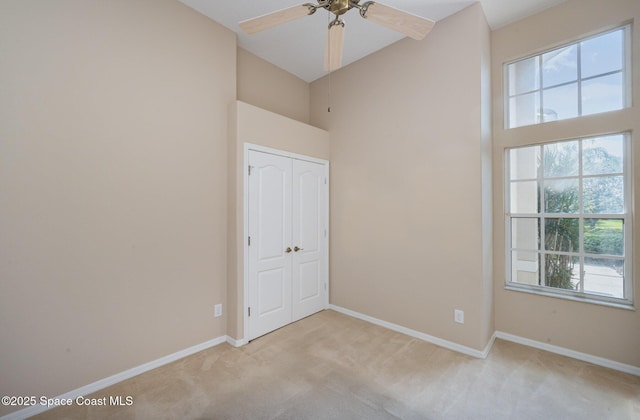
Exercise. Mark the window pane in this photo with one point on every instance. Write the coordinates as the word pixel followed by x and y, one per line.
pixel 560 103
pixel 561 271
pixel 524 162
pixel 602 155
pixel 525 233
pixel 567 226
pixel 602 54
pixel 604 276
pixel 604 236
pixel 525 267
pixel 603 194
pixel 561 234
pixel 560 66
pixel 524 76
pixel 523 110
pixel 602 94
pixel 561 159
pixel 580 79
pixel 561 196
pixel 524 197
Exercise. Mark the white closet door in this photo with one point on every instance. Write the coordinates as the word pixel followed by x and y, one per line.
pixel 269 203
pixel 308 217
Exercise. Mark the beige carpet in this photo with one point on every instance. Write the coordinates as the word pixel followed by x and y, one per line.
pixel 331 366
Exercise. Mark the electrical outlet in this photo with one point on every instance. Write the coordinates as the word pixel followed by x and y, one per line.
pixel 458 316
pixel 217 310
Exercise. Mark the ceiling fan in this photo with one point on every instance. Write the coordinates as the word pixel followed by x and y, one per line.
pixel 408 24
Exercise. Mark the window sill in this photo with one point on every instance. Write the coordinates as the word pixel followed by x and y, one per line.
pixel 570 296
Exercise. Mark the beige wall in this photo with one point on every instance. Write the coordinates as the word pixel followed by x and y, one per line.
pixel 250 124
pixel 121 192
pixel 264 85
pixel 112 187
pixel 410 141
pixel 598 330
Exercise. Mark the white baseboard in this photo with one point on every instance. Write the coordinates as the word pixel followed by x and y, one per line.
pixel 236 343
pixel 481 354
pixel 596 360
pixel 489 346
pixel 114 379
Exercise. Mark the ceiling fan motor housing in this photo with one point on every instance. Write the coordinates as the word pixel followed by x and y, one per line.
pixel 340 7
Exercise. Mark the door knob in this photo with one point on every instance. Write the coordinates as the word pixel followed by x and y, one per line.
pixel 288 250
pixel 298 249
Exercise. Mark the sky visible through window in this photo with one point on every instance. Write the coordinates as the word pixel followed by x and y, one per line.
pixel 583 78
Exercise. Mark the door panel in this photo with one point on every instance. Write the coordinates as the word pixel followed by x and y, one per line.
pixel 309 268
pixel 272 219
pixel 269 204
pixel 309 281
pixel 271 289
pixel 309 212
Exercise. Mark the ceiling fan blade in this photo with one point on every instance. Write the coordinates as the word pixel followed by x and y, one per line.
pixel 335 46
pixel 413 26
pixel 261 23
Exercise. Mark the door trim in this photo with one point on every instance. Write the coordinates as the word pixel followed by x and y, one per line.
pixel 245 227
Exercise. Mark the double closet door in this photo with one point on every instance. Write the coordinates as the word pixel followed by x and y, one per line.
pixel 287 252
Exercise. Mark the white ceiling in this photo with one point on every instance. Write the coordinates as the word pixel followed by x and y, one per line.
pixel 298 47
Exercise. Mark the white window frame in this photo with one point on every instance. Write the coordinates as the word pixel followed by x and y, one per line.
pixel 626 77
pixel 627 301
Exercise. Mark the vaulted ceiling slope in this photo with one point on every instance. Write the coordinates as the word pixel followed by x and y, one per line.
pixel 298 46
